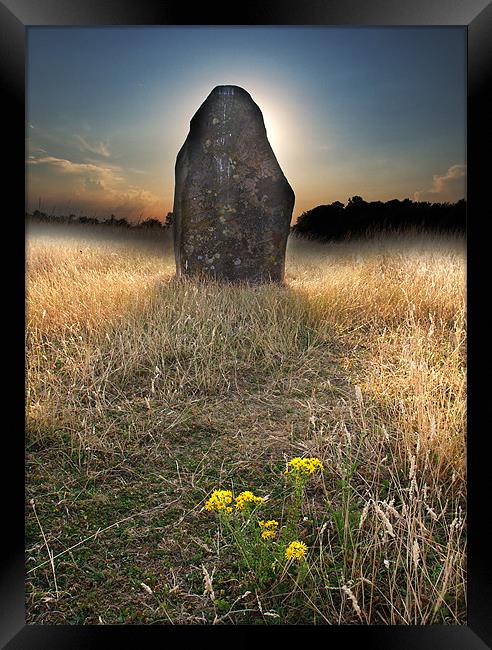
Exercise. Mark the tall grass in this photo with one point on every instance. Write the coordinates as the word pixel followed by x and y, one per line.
pixel 359 359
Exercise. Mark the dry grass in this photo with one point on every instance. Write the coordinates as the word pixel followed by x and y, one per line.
pixel 163 390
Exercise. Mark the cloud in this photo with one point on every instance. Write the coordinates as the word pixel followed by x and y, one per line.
pixel 99 148
pixel 63 165
pixel 448 187
pixel 92 183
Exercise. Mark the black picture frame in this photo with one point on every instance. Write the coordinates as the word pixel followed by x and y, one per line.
pixel 474 15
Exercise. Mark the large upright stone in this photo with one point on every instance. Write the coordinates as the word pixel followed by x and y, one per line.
pixel 232 203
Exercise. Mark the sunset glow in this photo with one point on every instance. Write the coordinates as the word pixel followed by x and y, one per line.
pixel 374 112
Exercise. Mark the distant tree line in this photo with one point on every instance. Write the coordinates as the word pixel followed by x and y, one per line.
pixel 333 221
pixel 151 222
pixel 337 221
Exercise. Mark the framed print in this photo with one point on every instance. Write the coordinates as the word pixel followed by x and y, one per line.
pixel 247 271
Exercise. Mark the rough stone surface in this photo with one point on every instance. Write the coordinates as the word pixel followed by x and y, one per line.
pixel 232 203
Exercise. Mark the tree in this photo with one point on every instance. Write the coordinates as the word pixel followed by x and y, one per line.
pixel 151 223
pixel 356 199
pixel 359 217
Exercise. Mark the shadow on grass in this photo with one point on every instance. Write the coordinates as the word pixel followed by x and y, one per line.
pixel 229 384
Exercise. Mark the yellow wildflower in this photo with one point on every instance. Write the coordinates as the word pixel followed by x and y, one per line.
pixel 269 528
pixel 296 550
pixel 245 498
pixel 219 500
pixel 301 467
pixel 268 534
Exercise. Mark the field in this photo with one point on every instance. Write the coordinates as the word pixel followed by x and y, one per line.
pixel 145 394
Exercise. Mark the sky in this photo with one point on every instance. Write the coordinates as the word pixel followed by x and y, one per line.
pixel 374 112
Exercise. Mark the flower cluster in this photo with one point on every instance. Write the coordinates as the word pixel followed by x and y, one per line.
pixel 269 528
pixel 263 546
pixel 246 498
pixel 295 550
pixel 220 500
pixel 301 467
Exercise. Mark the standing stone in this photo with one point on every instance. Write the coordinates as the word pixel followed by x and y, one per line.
pixel 232 203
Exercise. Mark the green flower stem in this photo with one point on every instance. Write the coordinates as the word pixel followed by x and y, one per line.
pixel 295 509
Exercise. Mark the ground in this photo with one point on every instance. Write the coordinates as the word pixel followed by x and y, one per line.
pixel 145 394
